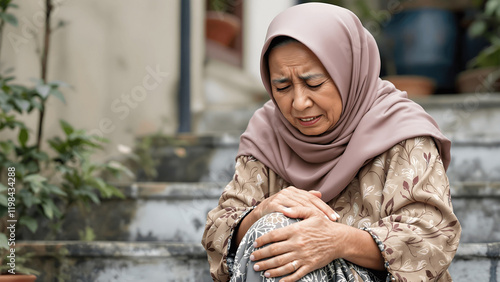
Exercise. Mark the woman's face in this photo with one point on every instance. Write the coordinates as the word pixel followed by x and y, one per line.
pixel 304 91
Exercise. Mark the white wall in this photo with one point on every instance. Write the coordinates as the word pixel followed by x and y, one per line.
pixel 258 15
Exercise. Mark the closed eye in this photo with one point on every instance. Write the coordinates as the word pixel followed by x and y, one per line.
pixel 315 86
pixel 282 88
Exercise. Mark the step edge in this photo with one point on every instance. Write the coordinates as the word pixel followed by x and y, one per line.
pixel 106 249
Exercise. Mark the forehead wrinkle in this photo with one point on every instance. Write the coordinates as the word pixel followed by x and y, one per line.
pixel 306 76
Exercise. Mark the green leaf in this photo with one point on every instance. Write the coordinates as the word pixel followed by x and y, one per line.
pixel 58 94
pixel 23 136
pixel 48 208
pixel 87 235
pixel 9 18
pixel 56 190
pixel 3 200
pixel 29 222
pixel 477 28
pixel 7 147
pixel 4 98
pixel 68 129
pixel 4 243
pixel 43 90
pixel 35 179
pixel 36 104
pixel 58 83
pixel 491 7
pixel 22 104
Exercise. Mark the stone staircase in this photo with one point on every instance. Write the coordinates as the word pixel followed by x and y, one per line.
pixel 154 233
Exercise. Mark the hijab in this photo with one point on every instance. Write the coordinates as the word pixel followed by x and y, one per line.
pixel 375 115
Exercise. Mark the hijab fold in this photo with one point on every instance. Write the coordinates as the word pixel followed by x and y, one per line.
pixel 375 115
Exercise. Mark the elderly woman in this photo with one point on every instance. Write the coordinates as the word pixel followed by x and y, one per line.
pixel 339 177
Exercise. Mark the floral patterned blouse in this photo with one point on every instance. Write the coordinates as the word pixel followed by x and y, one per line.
pixel 402 197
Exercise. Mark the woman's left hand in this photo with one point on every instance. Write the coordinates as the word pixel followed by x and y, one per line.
pixel 300 248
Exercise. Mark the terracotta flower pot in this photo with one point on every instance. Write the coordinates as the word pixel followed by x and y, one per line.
pixel 414 85
pixel 222 27
pixel 17 278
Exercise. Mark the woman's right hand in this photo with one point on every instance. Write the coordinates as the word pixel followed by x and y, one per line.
pixel 291 197
pixel 287 198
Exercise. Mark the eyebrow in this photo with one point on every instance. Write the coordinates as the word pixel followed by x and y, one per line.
pixel 303 77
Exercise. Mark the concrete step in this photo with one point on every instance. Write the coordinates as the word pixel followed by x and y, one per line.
pixel 176 212
pixel 476 262
pixel 117 261
pixel 134 261
pixel 169 212
pixel 477 206
pixel 466 116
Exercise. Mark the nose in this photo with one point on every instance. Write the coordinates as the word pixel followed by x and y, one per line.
pixel 301 99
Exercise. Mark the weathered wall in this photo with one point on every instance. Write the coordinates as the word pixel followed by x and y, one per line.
pixel 121 58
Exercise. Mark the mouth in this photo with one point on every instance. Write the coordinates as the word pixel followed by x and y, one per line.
pixel 308 121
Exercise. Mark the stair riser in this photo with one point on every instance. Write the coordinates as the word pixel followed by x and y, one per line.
pixel 479 218
pixel 479 269
pixel 467 119
pixel 475 162
pixel 123 269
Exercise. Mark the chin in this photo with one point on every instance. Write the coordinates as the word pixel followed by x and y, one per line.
pixel 312 132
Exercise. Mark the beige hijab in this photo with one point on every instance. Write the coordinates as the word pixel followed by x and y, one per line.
pixel 375 117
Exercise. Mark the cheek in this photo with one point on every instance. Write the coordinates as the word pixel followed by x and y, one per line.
pixel 283 104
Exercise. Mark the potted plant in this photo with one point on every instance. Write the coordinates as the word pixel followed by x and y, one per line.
pixel 483 74
pixel 222 26
pixel 34 182
pixel 377 22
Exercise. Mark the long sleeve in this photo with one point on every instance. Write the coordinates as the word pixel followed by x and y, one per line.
pixel 417 226
pixel 250 185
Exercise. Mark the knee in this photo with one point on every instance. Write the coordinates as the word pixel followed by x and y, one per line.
pixel 273 221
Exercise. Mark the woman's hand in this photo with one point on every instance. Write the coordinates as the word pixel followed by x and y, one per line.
pixel 302 247
pixel 292 197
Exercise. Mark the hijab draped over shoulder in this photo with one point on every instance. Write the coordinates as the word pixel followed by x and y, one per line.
pixel 375 116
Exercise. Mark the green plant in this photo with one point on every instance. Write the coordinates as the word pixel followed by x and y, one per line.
pixel 37 182
pixel 222 5
pixel 487 25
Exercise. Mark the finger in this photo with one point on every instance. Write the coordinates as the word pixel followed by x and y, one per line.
pixel 274 241
pixel 326 209
pixel 301 271
pixel 274 262
pixel 301 212
pixel 316 202
pixel 305 212
pixel 283 270
pixel 315 193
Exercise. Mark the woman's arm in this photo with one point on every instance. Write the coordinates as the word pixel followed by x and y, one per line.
pixel 249 186
pixel 417 230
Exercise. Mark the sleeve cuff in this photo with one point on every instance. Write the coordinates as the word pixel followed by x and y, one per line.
pixel 231 253
pixel 381 247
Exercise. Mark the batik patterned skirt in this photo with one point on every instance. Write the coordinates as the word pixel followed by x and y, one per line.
pixel 337 270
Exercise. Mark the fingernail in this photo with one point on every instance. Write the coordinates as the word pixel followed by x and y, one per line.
pixel 287 209
pixel 252 257
pixel 267 274
pixel 335 216
pixel 254 244
pixel 256 267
